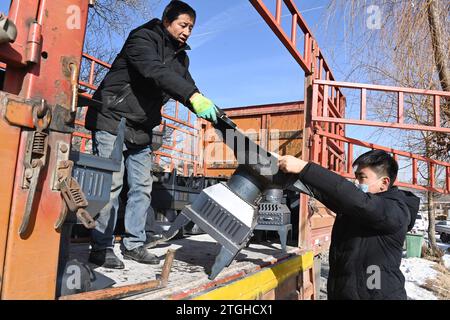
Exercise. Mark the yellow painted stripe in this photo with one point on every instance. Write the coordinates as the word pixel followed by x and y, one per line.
pixel 253 286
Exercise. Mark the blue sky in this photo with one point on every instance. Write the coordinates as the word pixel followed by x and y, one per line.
pixel 4 5
pixel 237 60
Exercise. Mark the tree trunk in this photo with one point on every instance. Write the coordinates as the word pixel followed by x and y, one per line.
pixel 431 225
pixel 441 61
pixel 437 38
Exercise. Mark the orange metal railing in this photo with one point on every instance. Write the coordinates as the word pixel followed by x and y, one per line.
pixel 311 60
pixel 324 142
pixel 327 112
pixel 414 159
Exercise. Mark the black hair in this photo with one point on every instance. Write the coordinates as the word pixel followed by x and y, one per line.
pixel 381 162
pixel 177 8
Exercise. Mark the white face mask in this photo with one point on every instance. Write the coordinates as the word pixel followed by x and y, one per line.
pixel 365 187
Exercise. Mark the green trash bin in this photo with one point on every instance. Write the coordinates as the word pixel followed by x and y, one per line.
pixel 414 245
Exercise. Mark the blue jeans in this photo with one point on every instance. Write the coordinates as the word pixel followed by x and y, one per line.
pixel 138 163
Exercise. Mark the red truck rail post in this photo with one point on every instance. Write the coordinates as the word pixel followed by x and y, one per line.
pixel 41 66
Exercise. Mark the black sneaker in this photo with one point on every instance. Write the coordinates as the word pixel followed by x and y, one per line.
pixel 106 258
pixel 140 255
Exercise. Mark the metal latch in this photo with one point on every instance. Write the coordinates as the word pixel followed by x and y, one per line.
pixel 74 198
pixel 35 158
pixel 76 201
pixel 63 170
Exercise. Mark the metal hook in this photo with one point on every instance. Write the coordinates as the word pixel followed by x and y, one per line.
pixel 41 116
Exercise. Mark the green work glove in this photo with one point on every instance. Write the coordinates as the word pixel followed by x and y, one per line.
pixel 204 108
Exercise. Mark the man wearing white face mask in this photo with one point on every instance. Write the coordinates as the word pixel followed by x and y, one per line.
pixel 363 186
pixel 372 219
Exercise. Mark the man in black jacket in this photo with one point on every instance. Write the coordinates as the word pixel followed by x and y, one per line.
pixel 151 68
pixel 372 218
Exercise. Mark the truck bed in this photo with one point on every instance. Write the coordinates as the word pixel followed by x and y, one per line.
pixel 194 257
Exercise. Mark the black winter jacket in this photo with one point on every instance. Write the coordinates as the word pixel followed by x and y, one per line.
pixel 369 231
pixel 150 69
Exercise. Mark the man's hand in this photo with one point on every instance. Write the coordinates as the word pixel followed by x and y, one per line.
pixel 203 107
pixel 290 164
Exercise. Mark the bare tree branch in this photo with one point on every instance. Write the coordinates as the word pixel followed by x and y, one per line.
pixel 438 38
pixel 110 21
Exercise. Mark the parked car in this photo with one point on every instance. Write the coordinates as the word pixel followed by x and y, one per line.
pixel 421 224
pixel 443 228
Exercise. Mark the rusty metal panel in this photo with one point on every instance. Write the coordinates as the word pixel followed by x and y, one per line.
pixel 290 133
pixel 307 289
pixel 21 13
pixel 18 113
pixel 63 46
pixel 9 144
pixel 321 224
pixel 31 259
pixel 277 126
pixel 287 290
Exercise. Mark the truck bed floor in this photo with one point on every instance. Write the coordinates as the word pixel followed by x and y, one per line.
pixel 194 257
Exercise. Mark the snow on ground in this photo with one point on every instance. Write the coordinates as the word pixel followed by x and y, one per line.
pixel 447 261
pixel 416 272
pixel 444 247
